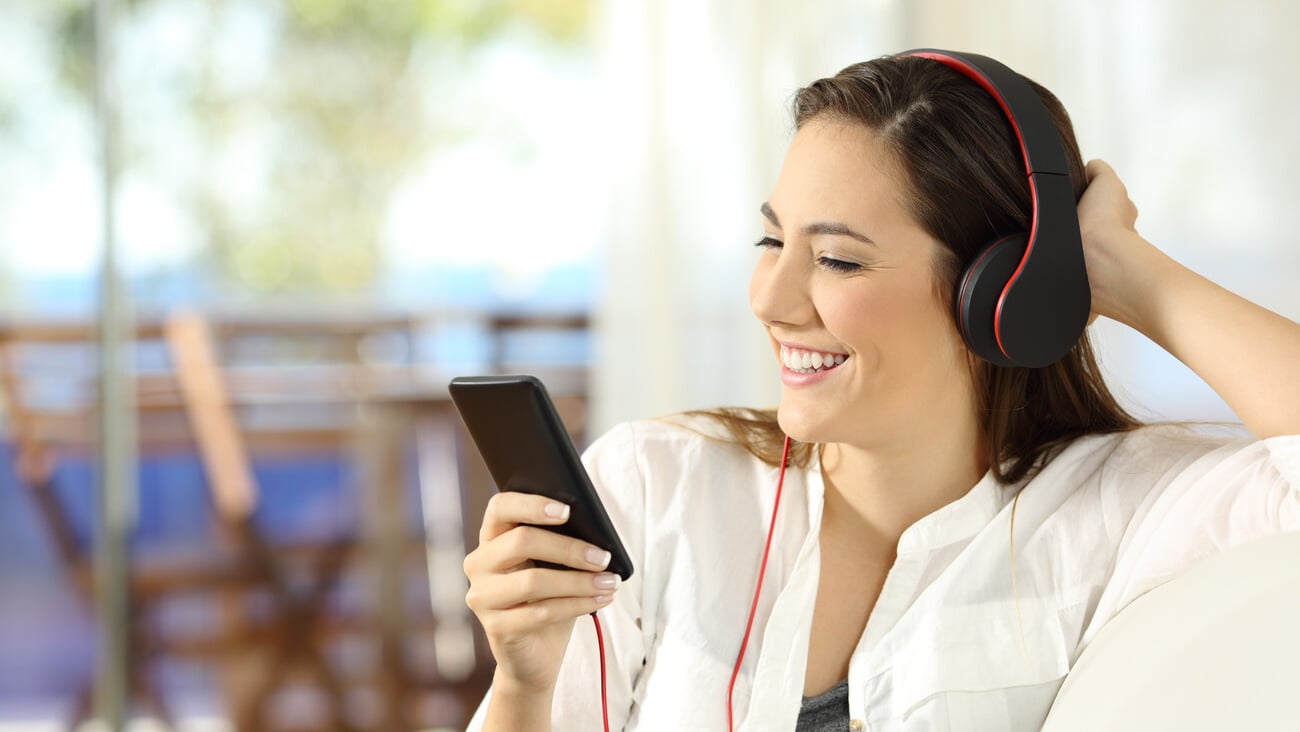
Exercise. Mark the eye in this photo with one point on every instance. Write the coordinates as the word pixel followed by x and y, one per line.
pixel 768 242
pixel 838 265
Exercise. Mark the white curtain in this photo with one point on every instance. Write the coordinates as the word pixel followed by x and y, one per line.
pixel 697 93
pixel 1194 102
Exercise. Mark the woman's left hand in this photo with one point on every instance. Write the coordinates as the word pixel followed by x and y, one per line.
pixel 1244 352
pixel 1115 255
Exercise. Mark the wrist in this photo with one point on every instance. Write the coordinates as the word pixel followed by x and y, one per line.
pixel 1136 285
pixel 521 690
pixel 517 706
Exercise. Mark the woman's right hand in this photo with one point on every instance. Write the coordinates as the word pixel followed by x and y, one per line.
pixel 527 611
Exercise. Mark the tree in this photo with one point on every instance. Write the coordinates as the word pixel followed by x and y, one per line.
pixel 284 159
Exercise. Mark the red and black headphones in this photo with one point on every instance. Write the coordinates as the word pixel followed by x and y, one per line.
pixel 1024 300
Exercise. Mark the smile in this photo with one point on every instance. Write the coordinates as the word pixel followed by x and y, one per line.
pixel 802 361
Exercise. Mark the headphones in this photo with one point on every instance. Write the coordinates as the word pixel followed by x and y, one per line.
pixel 1024 300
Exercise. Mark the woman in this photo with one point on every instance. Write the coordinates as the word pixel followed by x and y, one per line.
pixel 952 533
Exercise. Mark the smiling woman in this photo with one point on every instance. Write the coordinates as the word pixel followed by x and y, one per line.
pixel 931 185
pixel 822 290
pixel 947 534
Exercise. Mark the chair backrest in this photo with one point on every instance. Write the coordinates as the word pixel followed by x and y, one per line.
pixel 1216 648
pixel 207 404
pixel 285 384
pixel 49 392
pixel 49 385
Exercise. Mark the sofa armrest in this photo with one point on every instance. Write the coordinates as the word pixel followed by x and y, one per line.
pixel 1217 648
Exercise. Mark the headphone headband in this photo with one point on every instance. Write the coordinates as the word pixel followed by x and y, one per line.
pixel 1041 309
pixel 1040 144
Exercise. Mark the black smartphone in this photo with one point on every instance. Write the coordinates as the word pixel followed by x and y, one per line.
pixel 526 448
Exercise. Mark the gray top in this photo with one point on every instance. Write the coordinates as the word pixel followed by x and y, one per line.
pixel 826 712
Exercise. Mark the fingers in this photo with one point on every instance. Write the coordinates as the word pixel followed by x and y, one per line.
pixel 1106 198
pixel 502 572
pixel 538 586
pixel 521 621
pixel 523 543
pixel 1103 177
pixel 507 509
pixel 512 598
pixel 1097 167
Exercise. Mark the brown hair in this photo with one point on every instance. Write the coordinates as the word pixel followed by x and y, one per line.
pixel 965 185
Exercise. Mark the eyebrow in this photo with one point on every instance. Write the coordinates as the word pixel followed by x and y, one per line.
pixel 821 227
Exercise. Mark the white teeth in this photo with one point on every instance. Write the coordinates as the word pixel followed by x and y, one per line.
pixel 808 362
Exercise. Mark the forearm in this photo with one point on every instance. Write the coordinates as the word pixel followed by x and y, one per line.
pixel 513 709
pixel 1249 355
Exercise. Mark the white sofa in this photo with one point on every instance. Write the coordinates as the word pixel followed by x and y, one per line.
pixel 1218 649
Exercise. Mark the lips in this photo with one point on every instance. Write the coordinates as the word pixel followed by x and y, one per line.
pixel 805 361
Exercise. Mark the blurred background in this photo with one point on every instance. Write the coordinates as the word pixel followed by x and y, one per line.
pixel 304 216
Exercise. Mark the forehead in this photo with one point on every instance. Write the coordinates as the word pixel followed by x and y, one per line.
pixel 840 171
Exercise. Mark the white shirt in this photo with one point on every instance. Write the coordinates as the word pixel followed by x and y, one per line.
pixel 948 645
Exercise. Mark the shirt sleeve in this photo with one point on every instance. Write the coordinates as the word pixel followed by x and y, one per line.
pixel 1206 496
pixel 612 462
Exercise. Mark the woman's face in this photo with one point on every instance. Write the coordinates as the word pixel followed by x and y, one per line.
pixel 844 285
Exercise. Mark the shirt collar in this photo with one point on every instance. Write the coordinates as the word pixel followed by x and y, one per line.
pixel 954 522
pixel 959 520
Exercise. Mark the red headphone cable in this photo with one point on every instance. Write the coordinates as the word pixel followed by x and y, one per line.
pixel 600 643
pixel 762 568
pixel 753 606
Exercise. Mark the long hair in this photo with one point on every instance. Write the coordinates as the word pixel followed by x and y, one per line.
pixel 964 183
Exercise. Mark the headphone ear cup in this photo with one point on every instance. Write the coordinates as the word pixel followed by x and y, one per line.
pixel 978 292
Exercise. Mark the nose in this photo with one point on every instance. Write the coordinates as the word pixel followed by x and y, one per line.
pixel 778 290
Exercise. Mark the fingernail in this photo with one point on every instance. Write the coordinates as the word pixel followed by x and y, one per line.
pixel 598 557
pixel 607 581
pixel 603 599
pixel 556 510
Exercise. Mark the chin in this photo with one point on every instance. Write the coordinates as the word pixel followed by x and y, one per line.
pixel 800 425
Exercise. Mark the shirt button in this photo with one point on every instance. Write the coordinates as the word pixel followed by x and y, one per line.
pixel 856 726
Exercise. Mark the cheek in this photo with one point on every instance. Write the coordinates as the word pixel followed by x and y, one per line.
pixel 903 327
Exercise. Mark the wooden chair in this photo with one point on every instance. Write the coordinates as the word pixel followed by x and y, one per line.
pixel 294 634
pixel 50 407
pixel 411 689
pixel 223 390
pixel 270 595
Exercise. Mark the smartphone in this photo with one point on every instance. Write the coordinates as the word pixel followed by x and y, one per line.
pixel 526 448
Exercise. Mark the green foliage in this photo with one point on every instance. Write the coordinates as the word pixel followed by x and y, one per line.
pixel 349 120
pixel 76 30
